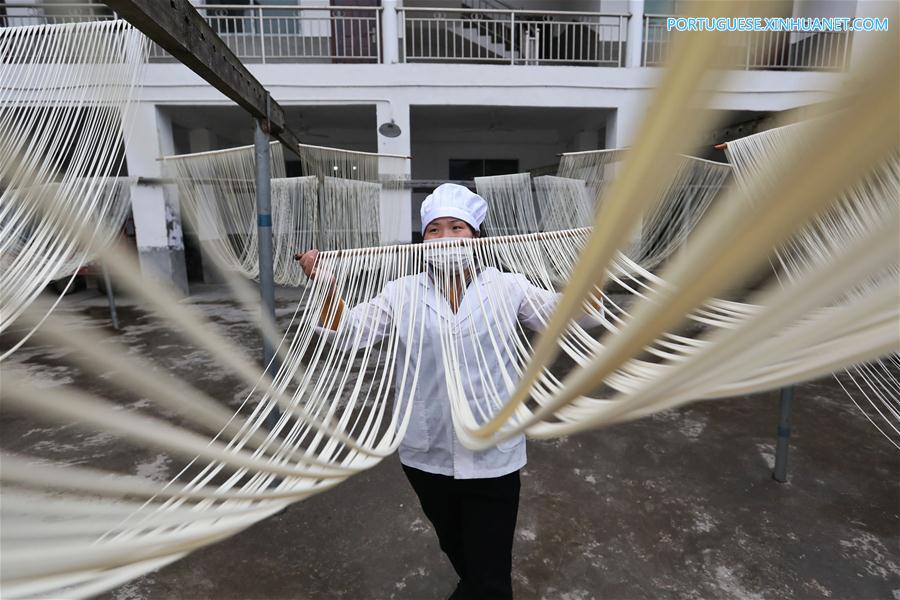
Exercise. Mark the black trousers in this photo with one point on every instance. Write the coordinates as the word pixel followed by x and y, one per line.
pixel 475 520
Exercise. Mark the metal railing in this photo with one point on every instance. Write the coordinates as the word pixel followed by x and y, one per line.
pixel 764 50
pixel 293 34
pixel 254 33
pixel 275 33
pixel 512 36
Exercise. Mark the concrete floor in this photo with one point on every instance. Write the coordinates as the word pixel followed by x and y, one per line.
pixel 679 505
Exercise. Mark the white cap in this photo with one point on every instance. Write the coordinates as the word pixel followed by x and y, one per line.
pixel 452 200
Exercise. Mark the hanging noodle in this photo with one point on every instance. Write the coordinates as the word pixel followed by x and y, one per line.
pixel 219 189
pixel 294 218
pixel 564 203
pixel 510 204
pixel 682 203
pixel 346 385
pixel 65 97
pixel 859 209
pixel 356 187
pixel 350 214
pixel 336 204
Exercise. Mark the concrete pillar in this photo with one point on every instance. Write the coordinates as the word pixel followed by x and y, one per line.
pixel 635 39
pixel 621 131
pixel 390 39
pixel 396 204
pixel 157 218
pixel 202 140
pixel 864 42
pixel 622 124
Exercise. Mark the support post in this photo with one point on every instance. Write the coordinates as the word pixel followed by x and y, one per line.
pixel 396 204
pixel 784 434
pixel 512 38
pixel 110 298
pixel 264 238
pixel 155 206
pixel 389 34
pixel 634 40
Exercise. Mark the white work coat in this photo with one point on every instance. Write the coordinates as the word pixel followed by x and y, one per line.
pixel 484 328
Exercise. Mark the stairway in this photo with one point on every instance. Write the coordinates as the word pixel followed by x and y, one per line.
pixel 505 46
pixel 470 33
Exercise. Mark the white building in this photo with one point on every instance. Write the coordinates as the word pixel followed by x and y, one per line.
pixel 476 87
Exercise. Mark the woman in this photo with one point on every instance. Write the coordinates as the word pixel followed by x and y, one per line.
pixel 470 497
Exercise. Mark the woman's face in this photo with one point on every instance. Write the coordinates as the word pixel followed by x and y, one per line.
pixel 447 227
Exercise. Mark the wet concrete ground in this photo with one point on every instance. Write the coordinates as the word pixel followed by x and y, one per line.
pixel 680 505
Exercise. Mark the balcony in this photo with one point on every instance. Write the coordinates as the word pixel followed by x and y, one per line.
pixel 328 34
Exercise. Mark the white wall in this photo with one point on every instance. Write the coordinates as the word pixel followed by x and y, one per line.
pixel 482 85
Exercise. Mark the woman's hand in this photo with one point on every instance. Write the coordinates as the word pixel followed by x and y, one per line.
pixel 328 317
pixel 308 262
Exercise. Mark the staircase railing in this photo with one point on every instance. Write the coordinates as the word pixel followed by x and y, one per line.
pixel 492 35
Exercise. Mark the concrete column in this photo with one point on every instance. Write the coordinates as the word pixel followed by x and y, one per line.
pixel 396 204
pixel 157 218
pixel 390 49
pixel 635 39
pixel 864 42
pixel 202 140
pixel 621 131
pixel 622 124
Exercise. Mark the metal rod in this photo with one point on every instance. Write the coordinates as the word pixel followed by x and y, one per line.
pixel 344 150
pixel 394 184
pixel 264 233
pixel 110 297
pixel 785 403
